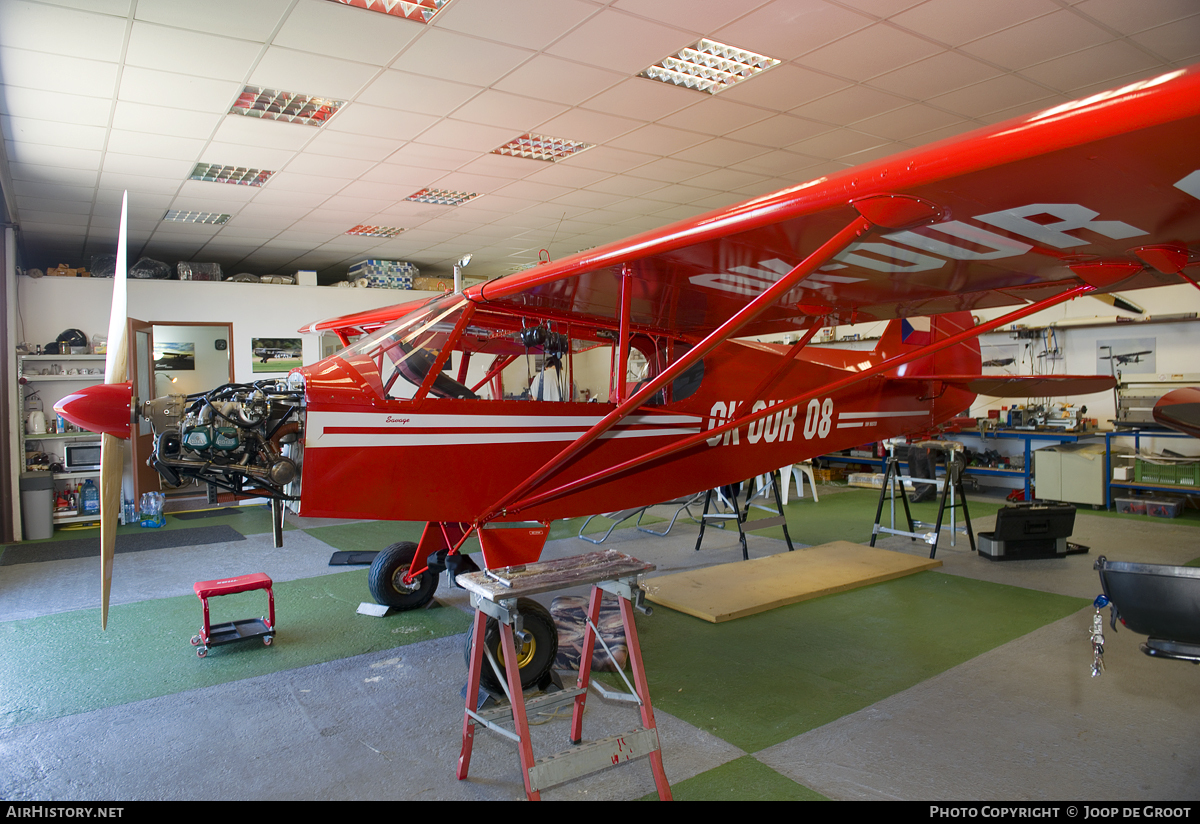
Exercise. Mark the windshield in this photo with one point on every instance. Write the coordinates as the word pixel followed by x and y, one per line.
pixel 398 357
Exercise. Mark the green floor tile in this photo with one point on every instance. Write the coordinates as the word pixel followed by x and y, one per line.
pixel 743 779
pixel 763 679
pixel 146 651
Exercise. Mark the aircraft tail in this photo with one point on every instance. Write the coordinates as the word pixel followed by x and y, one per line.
pixel 907 334
pixel 961 367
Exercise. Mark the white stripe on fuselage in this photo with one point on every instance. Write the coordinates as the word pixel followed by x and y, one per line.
pixel 399 429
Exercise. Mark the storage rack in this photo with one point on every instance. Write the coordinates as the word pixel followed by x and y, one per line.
pixel 29 369
pixel 1137 432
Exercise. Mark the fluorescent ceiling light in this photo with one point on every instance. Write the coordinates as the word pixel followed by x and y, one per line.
pixel 420 10
pixel 176 216
pixel 292 107
pixel 709 66
pixel 374 231
pixel 540 147
pixel 215 173
pixel 442 197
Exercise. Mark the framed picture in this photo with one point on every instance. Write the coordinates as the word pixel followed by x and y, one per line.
pixel 276 354
pixel 174 356
pixel 1125 355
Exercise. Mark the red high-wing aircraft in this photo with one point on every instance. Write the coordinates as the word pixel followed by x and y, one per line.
pixel 1087 197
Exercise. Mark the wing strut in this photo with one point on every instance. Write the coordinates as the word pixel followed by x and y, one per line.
pixel 835 245
pixel 887 365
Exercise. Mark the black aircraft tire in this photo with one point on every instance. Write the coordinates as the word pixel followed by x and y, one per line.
pixel 537 657
pixel 386 579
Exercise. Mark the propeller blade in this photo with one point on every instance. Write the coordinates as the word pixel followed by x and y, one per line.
pixel 112 464
pixel 112 458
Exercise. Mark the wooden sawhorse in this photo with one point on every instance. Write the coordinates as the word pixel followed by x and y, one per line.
pixel 494 593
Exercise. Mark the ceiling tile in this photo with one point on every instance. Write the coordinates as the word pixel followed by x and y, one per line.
pixel 1177 42
pixel 498 108
pixel 837 143
pixel 934 75
pixel 1100 64
pixel 998 94
pixel 57 72
pixel 50 28
pixel 473 137
pixel 375 121
pixel 157 88
pixel 719 151
pixel 417 93
pixel 660 139
pixel 785 29
pixel 458 57
pixel 339 31
pixel 779 131
pixel 955 22
pixel 642 43
pixel 533 24
pixel 698 16
pixel 55 106
pixel 642 99
pixel 255 21
pixel 1036 41
pixel 850 105
pixel 715 115
pixel 588 126
pixel 255 131
pixel 869 52
pixel 546 77
pixel 46 132
pixel 306 73
pixel 901 124
pixel 1129 18
pixel 784 87
pixel 190 52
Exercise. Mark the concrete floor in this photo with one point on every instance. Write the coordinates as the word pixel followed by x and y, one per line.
pixel 1023 721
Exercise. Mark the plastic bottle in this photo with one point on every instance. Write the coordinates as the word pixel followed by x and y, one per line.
pixel 90 499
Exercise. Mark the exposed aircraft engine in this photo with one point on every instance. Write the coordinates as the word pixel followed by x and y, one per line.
pixel 239 437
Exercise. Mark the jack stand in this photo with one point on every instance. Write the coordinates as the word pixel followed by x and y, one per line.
pixel 951 487
pixel 494 593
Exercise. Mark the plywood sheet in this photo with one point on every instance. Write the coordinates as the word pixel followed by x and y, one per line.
pixel 722 593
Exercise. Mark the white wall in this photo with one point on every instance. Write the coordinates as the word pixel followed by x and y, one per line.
pixel 46 306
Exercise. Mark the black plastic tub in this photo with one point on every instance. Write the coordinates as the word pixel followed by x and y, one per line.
pixel 1157 600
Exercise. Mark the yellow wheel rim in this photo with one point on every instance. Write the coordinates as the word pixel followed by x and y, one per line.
pixel 524 653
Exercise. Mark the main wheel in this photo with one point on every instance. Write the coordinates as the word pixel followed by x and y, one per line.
pixel 386 578
pixel 535 656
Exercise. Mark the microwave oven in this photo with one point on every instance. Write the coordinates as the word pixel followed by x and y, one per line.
pixel 81 456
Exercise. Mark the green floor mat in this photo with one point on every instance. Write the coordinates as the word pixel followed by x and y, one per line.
pixel 743 779
pixel 846 515
pixel 801 666
pixel 68 666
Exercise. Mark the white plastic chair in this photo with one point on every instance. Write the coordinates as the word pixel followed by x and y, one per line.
pixel 798 471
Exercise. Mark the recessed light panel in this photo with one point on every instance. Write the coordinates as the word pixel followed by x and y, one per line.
pixel 230 174
pixel 540 147
pixel 709 66
pixel 420 10
pixel 442 197
pixel 374 231
pixel 292 107
pixel 195 217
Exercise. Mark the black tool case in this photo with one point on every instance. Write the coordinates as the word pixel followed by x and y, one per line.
pixel 1030 530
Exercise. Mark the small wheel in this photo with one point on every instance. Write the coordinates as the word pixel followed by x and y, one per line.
pixel 201 652
pixel 386 579
pixel 535 656
pixel 267 640
pixel 195 640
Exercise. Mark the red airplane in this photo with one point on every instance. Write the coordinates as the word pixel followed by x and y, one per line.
pixel 1088 197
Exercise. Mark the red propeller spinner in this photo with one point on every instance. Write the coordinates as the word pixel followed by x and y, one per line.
pixel 103 408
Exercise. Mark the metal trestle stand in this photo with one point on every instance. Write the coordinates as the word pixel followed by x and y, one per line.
pixel 953 497
pixel 741 516
pixel 494 593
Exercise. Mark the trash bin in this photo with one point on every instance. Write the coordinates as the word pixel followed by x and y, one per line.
pixel 37 504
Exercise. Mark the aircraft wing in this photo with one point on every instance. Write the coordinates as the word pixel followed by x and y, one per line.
pixel 1082 185
pixel 1104 191
pixel 1020 386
